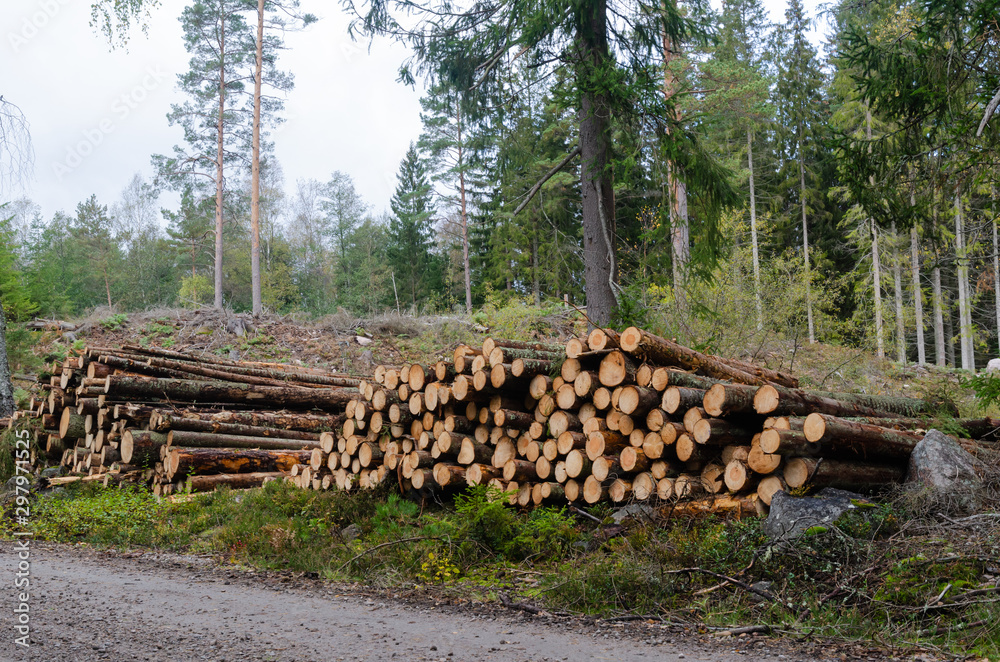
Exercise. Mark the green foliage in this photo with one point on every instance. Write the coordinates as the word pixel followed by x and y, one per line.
pixel 485 518
pixel 112 516
pixel 115 321
pixel 985 385
pixel 195 291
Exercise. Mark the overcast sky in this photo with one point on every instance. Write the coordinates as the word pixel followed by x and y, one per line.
pixel 97 115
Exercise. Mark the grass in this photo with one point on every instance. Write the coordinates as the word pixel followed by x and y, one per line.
pixel 866 578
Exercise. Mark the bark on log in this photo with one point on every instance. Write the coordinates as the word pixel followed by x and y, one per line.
pixel 142 447
pixel 727 399
pixel 194 391
pixel 733 506
pixel 183 462
pixel 162 422
pixel 232 481
pixel 778 401
pixel 856 476
pixel 663 352
pixel 720 432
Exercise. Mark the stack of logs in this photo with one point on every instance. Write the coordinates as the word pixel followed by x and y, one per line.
pixel 181 421
pixel 623 417
pixel 617 417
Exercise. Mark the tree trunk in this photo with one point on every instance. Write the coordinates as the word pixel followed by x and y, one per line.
pixel 897 278
pixel 964 303
pixel 805 241
pixel 753 236
pixel 676 188
pixel 940 356
pixel 255 284
pixel 918 304
pixel 877 287
pixel 535 286
pixel 219 162
pixel 465 217
pixel 7 405
pixel 596 182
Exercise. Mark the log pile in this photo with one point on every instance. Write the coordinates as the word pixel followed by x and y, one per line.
pixel 179 421
pixel 623 417
pixel 609 417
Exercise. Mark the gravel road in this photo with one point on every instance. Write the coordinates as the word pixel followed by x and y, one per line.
pixel 92 605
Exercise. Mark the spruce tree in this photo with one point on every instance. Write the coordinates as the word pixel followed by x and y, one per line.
pixel 410 228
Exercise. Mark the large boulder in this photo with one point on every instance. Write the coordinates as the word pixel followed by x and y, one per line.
pixel 790 516
pixel 993 365
pixel 945 474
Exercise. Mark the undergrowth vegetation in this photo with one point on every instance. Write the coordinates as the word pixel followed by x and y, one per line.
pixel 878 573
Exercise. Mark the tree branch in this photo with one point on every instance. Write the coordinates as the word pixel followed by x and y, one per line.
pixel 538 186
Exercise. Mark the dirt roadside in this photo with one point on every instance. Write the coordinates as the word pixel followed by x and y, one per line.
pixel 94 605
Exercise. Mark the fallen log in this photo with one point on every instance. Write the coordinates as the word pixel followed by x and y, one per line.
pixel 778 401
pixel 232 481
pixel 194 391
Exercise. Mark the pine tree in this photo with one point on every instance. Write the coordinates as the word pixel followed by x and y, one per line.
pixel 799 90
pixel 410 227
pixel 216 118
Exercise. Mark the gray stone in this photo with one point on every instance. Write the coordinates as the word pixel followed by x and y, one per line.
pixel 944 472
pixel 636 511
pixel 763 586
pixel 349 533
pixel 52 472
pixel 791 516
pixel 993 365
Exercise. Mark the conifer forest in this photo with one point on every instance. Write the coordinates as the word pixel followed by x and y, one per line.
pixel 692 167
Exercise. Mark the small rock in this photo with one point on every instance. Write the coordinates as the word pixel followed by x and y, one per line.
pixel 364 342
pixel 637 511
pixel 791 516
pixel 349 533
pixel 942 471
pixel 764 586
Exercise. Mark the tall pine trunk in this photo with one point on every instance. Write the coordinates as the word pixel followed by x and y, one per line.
pixel 918 304
pixel 940 353
pixel 962 275
pixel 680 235
pixel 219 161
pixel 897 280
pixel 600 268
pixel 805 240
pixel 465 217
pixel 255 285
pixel 6 384
pixel 877 287
pixel 996 265
pixel 753 237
